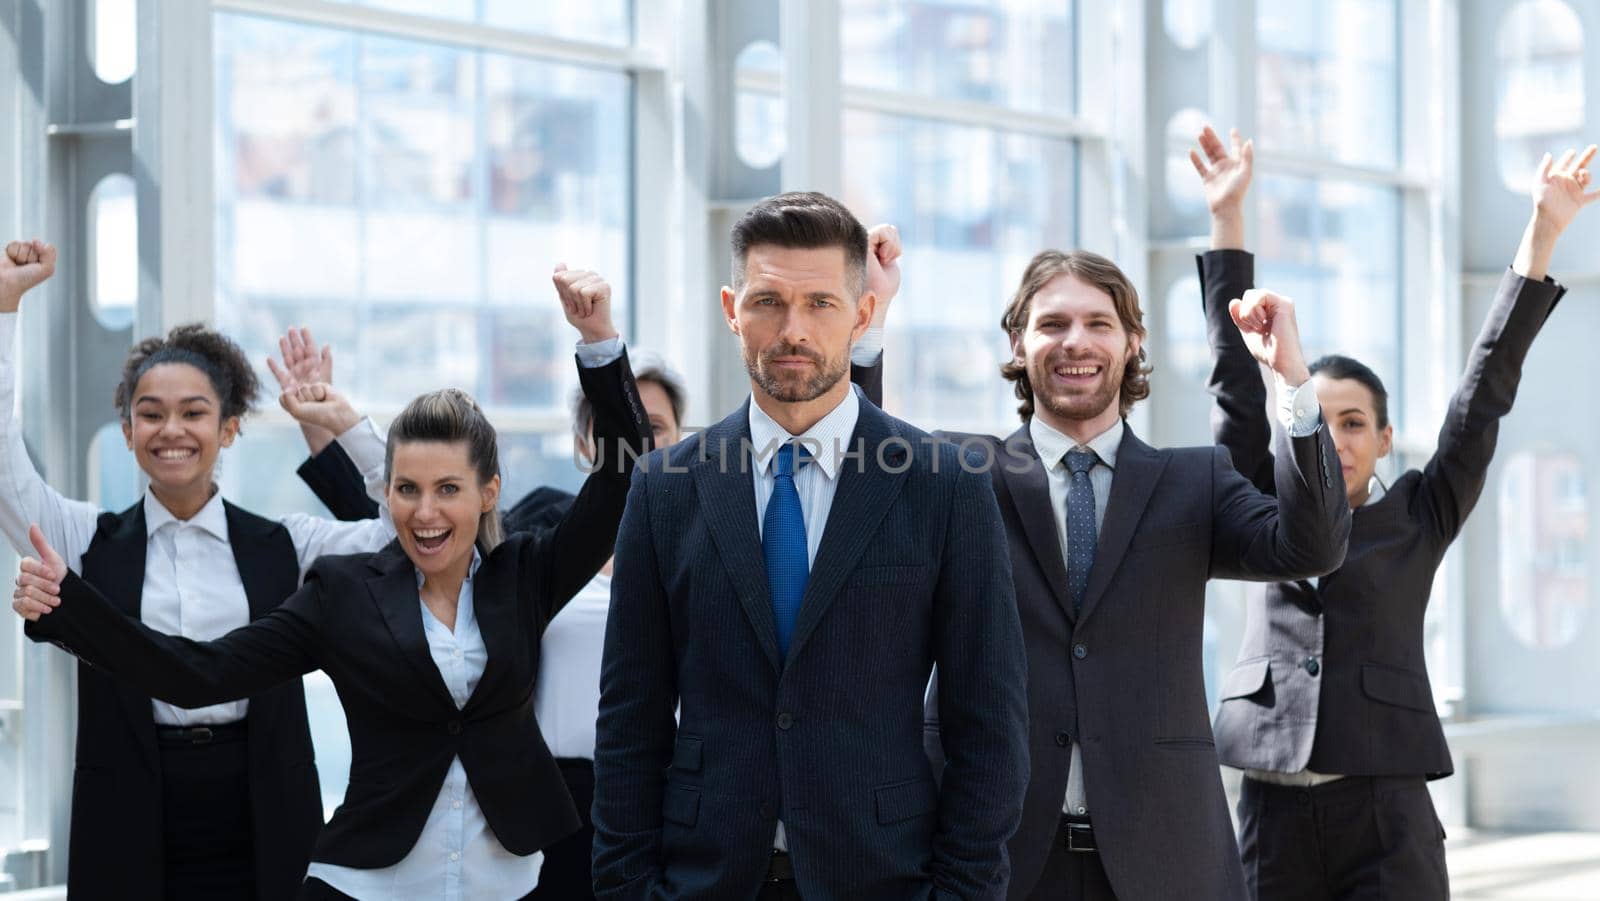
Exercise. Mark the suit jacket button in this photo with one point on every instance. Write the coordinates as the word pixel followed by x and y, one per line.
pixel 454 728
pixel 1312 666
pixel 785 720
pixel 768 812
pixel 1063 739
pixel 1080 651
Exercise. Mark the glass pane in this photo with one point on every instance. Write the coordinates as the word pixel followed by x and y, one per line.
pixel 1188 22
pixel 597 21
pixel 114 251
pixel 1327 80
pixel 760 128
pixel 408 202
pixel 1538 85
pixel 973 206
pixel 114 46
pixel 1544 547
pixel 1009 52
pixel 1335 248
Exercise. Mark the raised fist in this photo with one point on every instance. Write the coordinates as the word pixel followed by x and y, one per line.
pixel 883 268
pixel 1267 322
pixel 22 267
pixel 317 404
pixel 586 300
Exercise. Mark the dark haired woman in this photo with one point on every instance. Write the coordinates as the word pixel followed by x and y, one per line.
pixel 170 803
pixel 432 644
pixel 1329 710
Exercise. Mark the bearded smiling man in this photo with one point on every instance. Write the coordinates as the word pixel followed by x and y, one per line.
pixel 790 603
pixel 1111 542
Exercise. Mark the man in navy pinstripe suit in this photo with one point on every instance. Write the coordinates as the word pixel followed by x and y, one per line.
pixel 790 605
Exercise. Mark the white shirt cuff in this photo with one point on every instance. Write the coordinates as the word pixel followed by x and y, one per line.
pixel 1298 409
pixel 869 347
pixel 365 445
pixel 600 353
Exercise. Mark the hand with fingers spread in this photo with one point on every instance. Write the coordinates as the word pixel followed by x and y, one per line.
pixel 1560 190
pixel 318 404
pixel 1225 170
pixel 38 579
pixel 304 364
pixel 23 266
pixel 1267 322
pixel 883 268
pixel 586 300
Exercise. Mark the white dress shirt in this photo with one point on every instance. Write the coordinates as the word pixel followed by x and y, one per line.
pixel 1298 412
pixel 567 696
pixel 191 582
pixel 457 855
pixel 828 440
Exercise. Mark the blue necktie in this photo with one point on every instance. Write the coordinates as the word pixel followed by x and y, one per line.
pixel 783 541
pixel 1080 525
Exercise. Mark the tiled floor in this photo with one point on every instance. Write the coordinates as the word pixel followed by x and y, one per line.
pixel 1544 866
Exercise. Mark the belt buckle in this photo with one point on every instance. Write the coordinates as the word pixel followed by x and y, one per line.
pixel 1080 837
pixel 200 735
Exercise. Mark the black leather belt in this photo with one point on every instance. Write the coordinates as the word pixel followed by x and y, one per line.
pixel 1077 835
pixel 201 735
pixel 779 868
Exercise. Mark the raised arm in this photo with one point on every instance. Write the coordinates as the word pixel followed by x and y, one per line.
pixel 883 281
pixel 329 471
pixel 1303 531
pixel 62 608
pixel 1239 419
pixel 25 498
pixel 1453 478
pixel 572 552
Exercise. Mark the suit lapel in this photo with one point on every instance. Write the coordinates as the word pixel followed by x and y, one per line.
pixel 860 501
pixel 394 591
pixel 1138 468
pixel 1029 491
pixel 267 582
pixel 494 604
pixel 726 489
pixel 118 571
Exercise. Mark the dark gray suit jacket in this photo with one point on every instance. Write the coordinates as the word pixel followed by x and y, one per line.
pixel 911 571
pixel 1333 677
pixel 1125 678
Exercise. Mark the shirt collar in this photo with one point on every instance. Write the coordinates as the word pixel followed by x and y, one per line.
pixel 828 440
pixel 1375 492
pixel 472 568
pixel 213 517
pixel 1052 445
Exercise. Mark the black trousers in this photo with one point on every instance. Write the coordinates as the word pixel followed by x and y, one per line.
pixel 567 873
pixel 1362 837
pixel 207 834
pixel 1072 875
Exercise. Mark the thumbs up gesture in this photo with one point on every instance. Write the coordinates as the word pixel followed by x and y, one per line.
pixel 23 266
pixel 586 301
pixel 39 579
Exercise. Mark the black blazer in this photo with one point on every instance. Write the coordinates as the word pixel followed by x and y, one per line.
pixel 116 847
pixel 1333 676
pixel 359 619
pixel 911 572
pixel 1125 678
pixel 333 477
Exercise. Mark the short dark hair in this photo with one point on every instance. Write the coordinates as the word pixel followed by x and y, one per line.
pixel 806 220
pixel 1336 366
pixel 213 353
pixel 647 367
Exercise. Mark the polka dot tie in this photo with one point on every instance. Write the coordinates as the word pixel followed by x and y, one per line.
pixel 1080 525
pixel 783 542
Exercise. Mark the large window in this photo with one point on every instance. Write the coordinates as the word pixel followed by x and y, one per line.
pixel 974 197
pixel 407 201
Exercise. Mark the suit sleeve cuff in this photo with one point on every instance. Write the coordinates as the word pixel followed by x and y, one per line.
pixel 365 445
